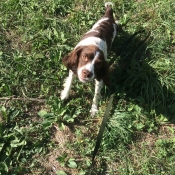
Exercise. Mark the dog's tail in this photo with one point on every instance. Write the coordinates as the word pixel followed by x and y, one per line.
pixel 108 4
pixel 109 11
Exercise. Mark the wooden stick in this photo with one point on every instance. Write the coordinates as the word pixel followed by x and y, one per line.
pixel 23 99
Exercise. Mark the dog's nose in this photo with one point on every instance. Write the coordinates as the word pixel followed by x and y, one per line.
pixel 86 73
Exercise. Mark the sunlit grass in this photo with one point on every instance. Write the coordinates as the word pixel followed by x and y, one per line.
pixel 34 37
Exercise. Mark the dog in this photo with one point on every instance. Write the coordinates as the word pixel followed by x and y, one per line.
pixel 88 60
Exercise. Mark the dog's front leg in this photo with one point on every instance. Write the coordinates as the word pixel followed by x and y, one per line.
pixel 67 86
pixel 97 96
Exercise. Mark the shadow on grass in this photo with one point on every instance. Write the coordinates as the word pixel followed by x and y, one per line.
pixel 132 75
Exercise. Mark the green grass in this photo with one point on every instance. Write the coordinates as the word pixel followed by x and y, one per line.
pixel 40 134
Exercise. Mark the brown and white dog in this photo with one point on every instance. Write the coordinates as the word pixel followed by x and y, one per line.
pixel 88 60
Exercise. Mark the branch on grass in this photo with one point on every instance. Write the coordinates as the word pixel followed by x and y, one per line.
pixel 23 99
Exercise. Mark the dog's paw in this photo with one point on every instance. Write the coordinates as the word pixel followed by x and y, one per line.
pixel 94 110
pixel 64 95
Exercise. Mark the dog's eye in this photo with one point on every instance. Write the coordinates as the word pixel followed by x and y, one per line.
pixel 85 58
pixel 99 64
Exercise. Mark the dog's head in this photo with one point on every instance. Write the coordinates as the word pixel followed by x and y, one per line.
pixel 88 62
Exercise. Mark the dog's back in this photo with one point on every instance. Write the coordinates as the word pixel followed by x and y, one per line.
pixel 104 28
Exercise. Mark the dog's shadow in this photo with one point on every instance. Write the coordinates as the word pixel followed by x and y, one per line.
pixel 132 75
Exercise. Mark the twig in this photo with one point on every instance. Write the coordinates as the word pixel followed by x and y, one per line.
pixel 23 99
pixel 168 123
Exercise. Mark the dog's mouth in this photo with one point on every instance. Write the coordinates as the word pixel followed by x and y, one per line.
pixel 84 79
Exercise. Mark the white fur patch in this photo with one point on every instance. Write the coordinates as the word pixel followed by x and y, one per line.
pixel 67 86
pixel 90 67
pixel 115 31
pixel 97 96
pixel 101 44
pixel 92 30
pixel 99 21
pixel 108 4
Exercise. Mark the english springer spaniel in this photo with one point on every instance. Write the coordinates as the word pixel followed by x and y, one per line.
pixel 88 60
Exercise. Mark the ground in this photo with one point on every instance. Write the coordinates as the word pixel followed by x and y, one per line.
pixel 40 134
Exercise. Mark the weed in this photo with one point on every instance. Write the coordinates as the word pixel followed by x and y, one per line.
pixel 139 136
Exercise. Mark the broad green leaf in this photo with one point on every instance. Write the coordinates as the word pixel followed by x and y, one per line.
pixel 130 108
pixel 82 172
pixel 72 163
pixel 55 32
pixel 63 37
pixel 140 126
pixel 42 112
pixel 3 111
pixel 60 172
pixel 1 146
pixel 3 167
pixel 16 143
pixel 15 114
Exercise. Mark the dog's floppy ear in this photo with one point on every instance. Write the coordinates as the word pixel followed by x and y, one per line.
pixel 71 60
pixel 103 73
